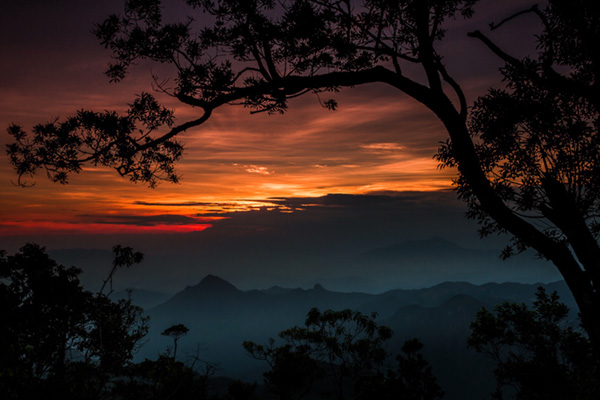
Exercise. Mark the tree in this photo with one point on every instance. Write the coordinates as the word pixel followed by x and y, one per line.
pixel 535 352
pixel 412 379
pixel 122 257
pixel 537 143
pixel 293 370
pixel 60 340
pixel 176 332
pixel 163 378
pixel 344 346
pixel 261 53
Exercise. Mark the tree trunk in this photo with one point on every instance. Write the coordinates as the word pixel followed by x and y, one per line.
pixel 581 283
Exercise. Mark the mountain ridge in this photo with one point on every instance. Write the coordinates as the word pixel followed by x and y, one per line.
pixel 221 317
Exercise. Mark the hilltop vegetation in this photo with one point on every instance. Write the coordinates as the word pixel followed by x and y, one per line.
pixel 69 342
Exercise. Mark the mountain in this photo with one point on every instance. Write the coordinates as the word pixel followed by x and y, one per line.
pixel 211 289
pixel 276 290
pixel 487 293
pixel 221 316
pixel 419 262
pixel 349 266
pixel 214 284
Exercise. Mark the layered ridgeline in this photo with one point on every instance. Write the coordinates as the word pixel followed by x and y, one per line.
pixel 220 317
pixel 354 265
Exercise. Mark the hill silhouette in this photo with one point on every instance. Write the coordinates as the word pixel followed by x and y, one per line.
pixel 221 316
pixel 361 266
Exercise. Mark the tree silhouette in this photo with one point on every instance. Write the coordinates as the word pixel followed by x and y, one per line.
pixel 412 379
pixel 123 257
pixel 535 352
pixel 347 348
pixel 163 378
pixel 528 168
pixel 293 370
pixel 60 340
pixel 176 332
pixel 537 143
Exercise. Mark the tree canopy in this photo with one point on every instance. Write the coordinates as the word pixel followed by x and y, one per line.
pixel 535 350
pixel 58 338
pixel 527 154
pixel 344 350
pixel 176 332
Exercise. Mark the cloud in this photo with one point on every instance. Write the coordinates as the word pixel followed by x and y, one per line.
pixel 383 148
pixel 145 220
pixel 255 169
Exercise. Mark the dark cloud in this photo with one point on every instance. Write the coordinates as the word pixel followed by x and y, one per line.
pixel 374 199
pixel 144 220
pixel 181 204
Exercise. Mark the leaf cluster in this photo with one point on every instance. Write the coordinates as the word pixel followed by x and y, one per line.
pixel 125 143
pixel 159 379
pixel 345 348
pixel 60 339
pixel 535 351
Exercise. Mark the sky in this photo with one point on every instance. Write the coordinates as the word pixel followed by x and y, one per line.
pixel 245 179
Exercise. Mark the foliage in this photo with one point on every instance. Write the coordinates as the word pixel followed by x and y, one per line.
pixel 537 145
pixel 159 379
pixel 239 390
pixel 535 352
pixel 123 257
pixel 346 348
pixel 124 143
pixel 537 139
pixel 293 371
pixel 176 332
pixel 412 379
pixel 256 54
pixel 348 343
pixel 59 339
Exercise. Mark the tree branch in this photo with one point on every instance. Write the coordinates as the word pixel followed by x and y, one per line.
pixel 534 9
pixel 494 48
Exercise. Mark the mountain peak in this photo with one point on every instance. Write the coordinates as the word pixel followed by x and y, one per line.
pixel 319 287
pixel 213 282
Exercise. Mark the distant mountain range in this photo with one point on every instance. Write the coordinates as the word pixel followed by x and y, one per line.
pixel 221 317
pixel 406 264
pixel 417 262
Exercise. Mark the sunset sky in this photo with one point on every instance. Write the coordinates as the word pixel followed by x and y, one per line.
pixel 379 142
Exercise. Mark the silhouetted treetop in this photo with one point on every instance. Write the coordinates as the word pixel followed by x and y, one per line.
pixel 128 144
pixel 58 339
pixel 176 332
pixel 536 352
pixel 346 348
pixel 255 53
